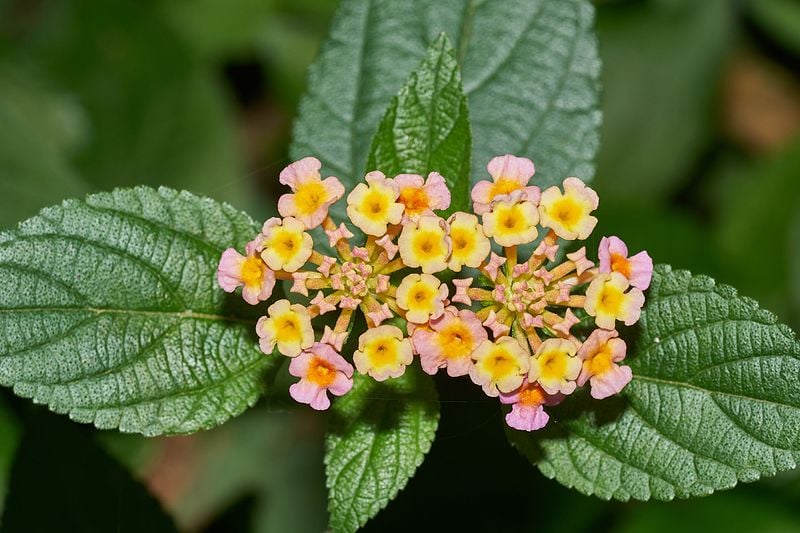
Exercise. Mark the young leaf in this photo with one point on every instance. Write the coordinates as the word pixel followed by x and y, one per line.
pixel 379 435
pixel 714 400
pixel 530 70
pixel 62 481
pixel 111 313
pixel 427 126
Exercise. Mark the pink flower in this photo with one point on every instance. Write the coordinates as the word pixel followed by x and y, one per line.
pixel 449 342
pixel 421 197
pixel 320 370
pixel 614 258
pixel 509 174
pixel 338 234
pixel 579 258
pixel 527 407
pixel 249 271
pixel 312 196
pixel 600 354
pixel 498 328
pixel 462 285
pixel 495 262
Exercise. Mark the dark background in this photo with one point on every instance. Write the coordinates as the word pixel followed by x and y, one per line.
pixel 699 164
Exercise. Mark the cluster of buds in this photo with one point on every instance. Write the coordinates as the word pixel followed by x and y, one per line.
pixel 529 331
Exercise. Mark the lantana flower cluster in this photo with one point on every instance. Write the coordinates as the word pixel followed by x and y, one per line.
pixel 528 331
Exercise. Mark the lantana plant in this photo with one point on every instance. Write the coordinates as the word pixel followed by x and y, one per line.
pixel 159 312
pixel 531 331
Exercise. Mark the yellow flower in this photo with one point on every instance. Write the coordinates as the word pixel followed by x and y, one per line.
pixel 373 205
pixel 500 366
pixel 383 353
pixel 512 221
pixel 569 213
pixel 555 366
pixel 285 244
pixel 607 301
pixel 422 297
pixel 288 326
pixel 469 245
pixel 312 195
pixel 425 244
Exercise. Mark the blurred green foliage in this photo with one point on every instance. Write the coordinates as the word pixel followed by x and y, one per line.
pixel 199 94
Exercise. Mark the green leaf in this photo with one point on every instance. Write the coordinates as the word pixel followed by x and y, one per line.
pixel 155 112
pixel 62 481
pixel 530 70
pixel 40 129
pixel 780 18
pixel 426 127
pixel 111 313
pixel 656 120
pixel 714 400
pixel 379 435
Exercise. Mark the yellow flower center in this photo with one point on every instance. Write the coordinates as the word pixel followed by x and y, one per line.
pixel 503 186
pixel 287 327
pixel 310 196
pixel 252 272
pixel 567 211
pixel 510 220
pixel 599 363
pixel 375 205
pixel 500 364
pixel 610 300
pixel 553 364
pixel 621 264
pixel 415 199
pixel 382 352
pixel 286 243
pixel 531 395
pixel 429 244
pixel 463 240
pixel 321 372
pixel 456 341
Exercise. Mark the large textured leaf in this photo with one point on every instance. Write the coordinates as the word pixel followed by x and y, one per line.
pixel 529 68
pixel 426 127
pixel 110 312
pixel 715 400
pixel 379 436
pixel 62 481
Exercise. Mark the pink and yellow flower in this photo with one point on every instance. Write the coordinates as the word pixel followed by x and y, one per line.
pixel 600 354
pixel 312 196
pixel 527 407
pixel 569 213
pixel 555 366
pixel 372 206
pixel 288 326
pixel 383 353
pixel 425 244
pixel 421 197
pixel 499 366
pixel 607 301
pixel 250 272
pixel 512 220
pixel 285 245
pixel 469 245
pixel 449 342
pixel 613 255
pixel 422 297
pixel 320 370
pixel 509 173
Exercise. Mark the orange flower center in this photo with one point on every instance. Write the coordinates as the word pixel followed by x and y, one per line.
pixel 321 372
pixel 621 264
pixel 415 199
pixel 531 395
